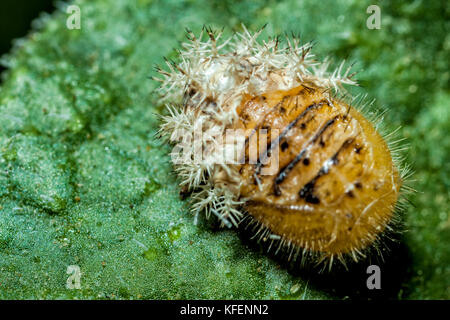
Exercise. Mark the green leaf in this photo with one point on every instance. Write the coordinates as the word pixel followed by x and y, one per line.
pixel 84 181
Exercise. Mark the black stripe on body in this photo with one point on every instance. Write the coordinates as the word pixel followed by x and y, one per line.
pixel 307 191
pixel 282 110
pixel 283 173
pixel 260 123
pixel 275 142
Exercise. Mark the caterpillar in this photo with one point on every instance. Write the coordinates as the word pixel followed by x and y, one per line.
pixel 262 135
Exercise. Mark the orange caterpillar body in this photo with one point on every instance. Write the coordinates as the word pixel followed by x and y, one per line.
pixel 336 186
pixel 336 181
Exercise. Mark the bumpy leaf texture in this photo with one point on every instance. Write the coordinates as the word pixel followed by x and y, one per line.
pixel 84 181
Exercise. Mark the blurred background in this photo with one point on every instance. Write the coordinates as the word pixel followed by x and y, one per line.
pixel 16 17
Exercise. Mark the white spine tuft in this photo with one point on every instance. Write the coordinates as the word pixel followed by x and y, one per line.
pixel 204 90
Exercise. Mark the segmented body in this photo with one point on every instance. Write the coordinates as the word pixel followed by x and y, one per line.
pixel 335 186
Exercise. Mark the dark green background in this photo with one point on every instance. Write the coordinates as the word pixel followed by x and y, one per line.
pixel 83 180
pixel 16 18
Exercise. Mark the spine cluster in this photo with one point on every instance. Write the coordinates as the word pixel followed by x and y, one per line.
pixel 202 92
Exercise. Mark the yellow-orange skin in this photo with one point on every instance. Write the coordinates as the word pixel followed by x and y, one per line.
pixel 346 206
